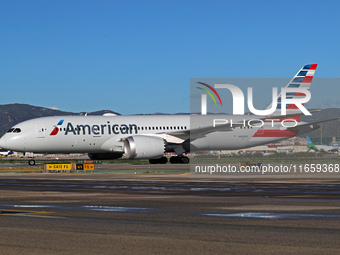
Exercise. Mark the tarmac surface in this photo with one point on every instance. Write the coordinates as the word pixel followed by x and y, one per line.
pixel 167 213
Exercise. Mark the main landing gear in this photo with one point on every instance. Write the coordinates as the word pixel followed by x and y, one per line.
pixel 173 160
pixel 179 160
pixel 162 160
pixel 31 162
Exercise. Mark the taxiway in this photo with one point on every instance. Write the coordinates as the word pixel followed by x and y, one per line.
pixel 115 213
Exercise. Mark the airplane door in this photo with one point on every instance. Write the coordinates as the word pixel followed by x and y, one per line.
pixel 40 131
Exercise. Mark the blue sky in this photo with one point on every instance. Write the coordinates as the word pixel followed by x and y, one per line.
pixel 138 56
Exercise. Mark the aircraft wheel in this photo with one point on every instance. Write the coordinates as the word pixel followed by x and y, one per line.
pixel 184 160
pixel 162 160
pixel 152 161
pixel 179 160
pixel 174 160
pixel 31 162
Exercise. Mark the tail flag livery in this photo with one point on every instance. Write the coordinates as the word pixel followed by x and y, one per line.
pixel 302 79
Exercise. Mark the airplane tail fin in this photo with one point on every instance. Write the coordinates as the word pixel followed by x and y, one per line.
pixel 309 141
pixel 310 144
pixel 302 79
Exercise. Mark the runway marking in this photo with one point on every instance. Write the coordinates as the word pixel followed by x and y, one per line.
pixel 101 208
pixel 9 212
pixel 273 216
pixel 115 209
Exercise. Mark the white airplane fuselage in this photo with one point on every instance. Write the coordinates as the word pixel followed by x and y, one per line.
pixel 105 134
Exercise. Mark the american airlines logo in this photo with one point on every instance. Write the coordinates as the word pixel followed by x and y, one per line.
pixel 57 127
pixel 95 129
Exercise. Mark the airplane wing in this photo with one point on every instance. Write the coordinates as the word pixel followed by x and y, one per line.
pixel 202 131
pixel 311 123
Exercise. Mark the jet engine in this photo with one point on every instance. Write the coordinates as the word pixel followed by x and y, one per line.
pixel 144 147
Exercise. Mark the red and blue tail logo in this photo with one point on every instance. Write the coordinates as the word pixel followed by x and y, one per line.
pixel 302 79
pixel 56 128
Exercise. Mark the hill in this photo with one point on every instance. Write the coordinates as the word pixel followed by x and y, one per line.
pixel 328 129
pixel 11 114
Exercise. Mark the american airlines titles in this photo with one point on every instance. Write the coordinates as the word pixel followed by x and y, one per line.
pixel 101 129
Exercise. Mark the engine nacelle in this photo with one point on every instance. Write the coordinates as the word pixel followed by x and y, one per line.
pixel 144 147
pixel 105 156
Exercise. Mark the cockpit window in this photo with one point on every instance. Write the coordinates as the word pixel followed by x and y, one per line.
pixel 10 131
pixel 17 130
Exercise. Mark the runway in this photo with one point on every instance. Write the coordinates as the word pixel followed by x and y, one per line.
pixel 114 213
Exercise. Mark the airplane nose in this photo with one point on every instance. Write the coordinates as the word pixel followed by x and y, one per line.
pixel 3 142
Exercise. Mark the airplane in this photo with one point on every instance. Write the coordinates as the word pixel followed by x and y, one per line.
pixel 320 148
pixel 5 153
pixel 149 137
